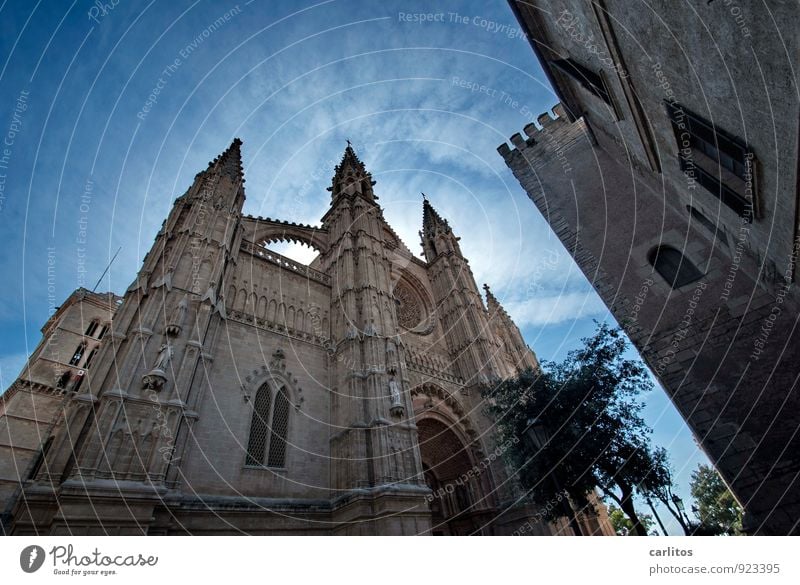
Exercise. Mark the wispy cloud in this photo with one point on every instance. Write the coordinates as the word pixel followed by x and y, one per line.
pixel 293 88
pixel 550 310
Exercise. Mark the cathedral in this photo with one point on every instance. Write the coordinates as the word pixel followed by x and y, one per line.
pixel 232 390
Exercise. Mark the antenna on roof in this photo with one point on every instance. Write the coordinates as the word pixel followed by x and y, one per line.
pixel 106 270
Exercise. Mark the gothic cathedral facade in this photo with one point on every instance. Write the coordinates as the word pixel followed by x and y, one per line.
pixel 232 390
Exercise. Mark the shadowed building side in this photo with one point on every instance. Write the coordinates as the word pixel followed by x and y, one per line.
pixel 664 174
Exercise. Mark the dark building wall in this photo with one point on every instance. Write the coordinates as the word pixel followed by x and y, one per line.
pixel 610 185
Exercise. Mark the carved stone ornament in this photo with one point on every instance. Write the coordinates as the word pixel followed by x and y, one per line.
pixel 409 311
pixel 173 329
pixel 157 377
pixel 154 379
pixel 397 409
pixel 164 355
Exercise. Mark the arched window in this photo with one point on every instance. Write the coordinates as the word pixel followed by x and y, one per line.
pixel 673 266
pixel 76 357
pixel 92 327
pixel 257 445
pixel 268 428
pixel 78 381
pixel 280 424
pixel 63 380
pixel 103 330
pixel 90 358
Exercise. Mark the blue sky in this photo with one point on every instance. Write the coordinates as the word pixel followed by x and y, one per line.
pixel 425 104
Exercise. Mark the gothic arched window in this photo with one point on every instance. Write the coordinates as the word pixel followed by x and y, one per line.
pixel 268 428
pixel 92 327
pixel 673 266
pixel 76 357
pixel 63 380
pixel 90 358
pixel 280 424
pixel 78 381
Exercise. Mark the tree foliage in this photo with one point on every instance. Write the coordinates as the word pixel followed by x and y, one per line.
pixel 589 403
pixel 716 508
pixel 623 525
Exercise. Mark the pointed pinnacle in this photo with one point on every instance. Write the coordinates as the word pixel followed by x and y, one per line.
pixel 351 157
pixel 430 218
pixel 492 303
pixel 490 298
pixel 230 161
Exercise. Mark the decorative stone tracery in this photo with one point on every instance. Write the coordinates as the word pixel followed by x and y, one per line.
pixel 276 373
pixel 409 310
pixel 414 307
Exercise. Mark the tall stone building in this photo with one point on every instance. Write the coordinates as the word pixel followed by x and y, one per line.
pixel 670 172
pixel 233 390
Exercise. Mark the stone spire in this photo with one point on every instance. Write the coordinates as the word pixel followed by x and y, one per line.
pixel 517 354
pixel 229 163
pixel 221 184
pixel 351 177
pixel 492 303
pixel 431 220
pixel 437 236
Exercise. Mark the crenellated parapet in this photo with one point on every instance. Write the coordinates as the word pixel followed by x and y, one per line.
pixel 551 137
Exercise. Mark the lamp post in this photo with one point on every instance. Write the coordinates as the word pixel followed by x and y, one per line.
pixel 658 518
pixel 537 436
pixel 681 512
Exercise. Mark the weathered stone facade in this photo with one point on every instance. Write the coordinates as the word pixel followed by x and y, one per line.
pixel 237 391
pixel 669 172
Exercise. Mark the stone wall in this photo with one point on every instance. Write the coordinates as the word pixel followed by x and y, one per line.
pixel 700 340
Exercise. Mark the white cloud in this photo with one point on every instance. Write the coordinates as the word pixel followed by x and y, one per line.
pixel 297 252
pixel 549 310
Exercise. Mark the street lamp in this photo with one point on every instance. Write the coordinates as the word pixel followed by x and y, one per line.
pixel 678 503
pixel 649 501
pixel 537 435
pixel 681 508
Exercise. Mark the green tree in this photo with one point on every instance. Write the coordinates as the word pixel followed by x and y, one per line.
pixel 623 525
pixel 658 485
pixel 716 508
pixel 597 437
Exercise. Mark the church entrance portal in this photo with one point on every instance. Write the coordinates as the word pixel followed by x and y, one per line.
pixel 457 506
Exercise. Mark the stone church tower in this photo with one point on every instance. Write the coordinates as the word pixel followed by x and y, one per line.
pixel 232 390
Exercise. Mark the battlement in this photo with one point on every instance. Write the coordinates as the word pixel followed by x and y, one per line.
pixel 553 134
